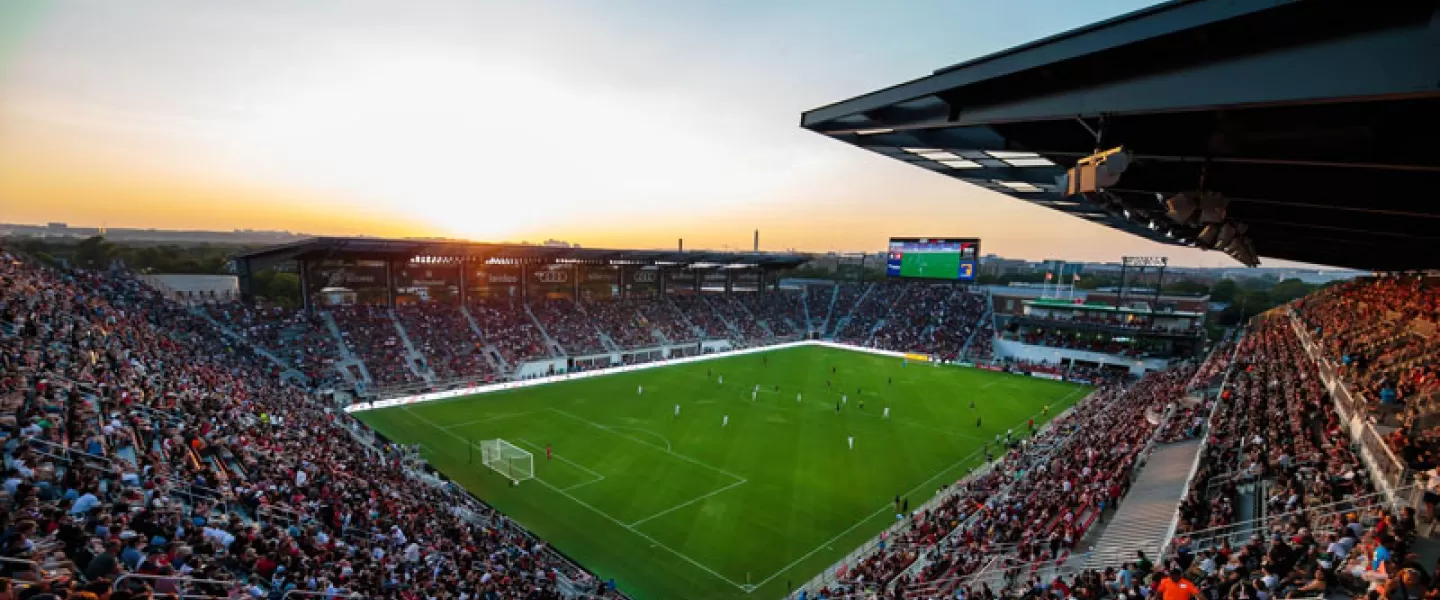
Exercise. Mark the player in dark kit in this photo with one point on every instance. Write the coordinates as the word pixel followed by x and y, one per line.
pixel 977 421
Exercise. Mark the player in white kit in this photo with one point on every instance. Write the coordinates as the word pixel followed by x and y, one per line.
pixel 852 442
pixel 844 399
pixel 754 395
pixel 797 397
pixel 722 379
pixel 725 420
pixel 887 413
pixel 677 411
pixel 640 391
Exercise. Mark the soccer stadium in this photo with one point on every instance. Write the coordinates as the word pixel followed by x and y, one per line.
pixel 447 419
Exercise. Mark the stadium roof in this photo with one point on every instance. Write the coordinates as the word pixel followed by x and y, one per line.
pixel 365 248
pixel 1315 118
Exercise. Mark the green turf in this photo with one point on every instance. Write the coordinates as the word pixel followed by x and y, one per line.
pixel 933 265
pixel 684 508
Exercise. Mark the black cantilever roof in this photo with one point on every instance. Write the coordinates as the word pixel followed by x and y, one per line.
pixel 366 248
pixel 1318 119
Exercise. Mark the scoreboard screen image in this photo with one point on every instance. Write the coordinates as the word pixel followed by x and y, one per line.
pixel 953 259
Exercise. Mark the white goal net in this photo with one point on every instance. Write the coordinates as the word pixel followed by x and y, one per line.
pixel 507 459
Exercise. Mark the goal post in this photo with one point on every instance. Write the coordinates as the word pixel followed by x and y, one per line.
pixel 507 459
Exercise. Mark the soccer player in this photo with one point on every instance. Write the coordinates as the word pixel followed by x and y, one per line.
pixel 640 390
pixel 972 404
pixel 852 442
pixel 754 395
pixel 887 413
pixel 977 421
pixel 832 370
pixel 889 380
pixel 837 408
pixel 844 399
pixel 721 380
pixel 862 404
pixel 757 388
pixel 797 396
pixel 677 411
pixel 1045 410
pixel 725 421
pixel 548 451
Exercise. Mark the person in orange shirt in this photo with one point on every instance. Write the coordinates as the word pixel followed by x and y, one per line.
pixel 1176 587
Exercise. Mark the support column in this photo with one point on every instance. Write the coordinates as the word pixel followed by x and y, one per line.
pixel 390 283
pixel 305 291
pixel 464 293
pixel 663 280
pixel 524 283
pixel 624 283
pixel 729 282
pixel 575 271
pixel 699 280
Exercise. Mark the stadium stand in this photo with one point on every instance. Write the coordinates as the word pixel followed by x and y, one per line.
pixel 694 309
pixel 509 329
pixel 370 332
pixel 782 312
pixel 620 319
pixel 567 322
pixel 441 333
pixel 141 445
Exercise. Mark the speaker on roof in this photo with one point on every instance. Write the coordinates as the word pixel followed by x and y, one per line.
pixel 1095 172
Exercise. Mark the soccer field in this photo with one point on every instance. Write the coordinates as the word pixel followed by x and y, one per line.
pixel 935 265
pixel 683 507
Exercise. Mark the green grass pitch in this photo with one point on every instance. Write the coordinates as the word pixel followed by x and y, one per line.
pixel 683 507
pixel 933 265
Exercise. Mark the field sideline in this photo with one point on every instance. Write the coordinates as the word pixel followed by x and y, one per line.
pixel 685 507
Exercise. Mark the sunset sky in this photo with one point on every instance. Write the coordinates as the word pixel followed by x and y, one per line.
pixel 601 122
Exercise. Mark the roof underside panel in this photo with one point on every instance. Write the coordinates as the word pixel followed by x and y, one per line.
pixel 1316 119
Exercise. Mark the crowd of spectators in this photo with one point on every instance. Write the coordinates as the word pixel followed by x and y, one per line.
pixel 662 315
pixel 873 304
pixel 1382 334
pixel 620 319
pixel 142 444
pixel 698 311
pixel 733 311
pixel 782 311
pixel 506 326
pixel 301 341
pixel 569 325
pixel 442 334
pixel 818 298
pixel 370 333
pixel 1277 435
pixel 847 296
pixel 936 319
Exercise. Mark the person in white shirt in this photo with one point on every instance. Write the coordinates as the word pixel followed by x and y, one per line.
pixel 851 439
pixel 887 413
pixel 725 421
pixel 677 411
pixel 640 390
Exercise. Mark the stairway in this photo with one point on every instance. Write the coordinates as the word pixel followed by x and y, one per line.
pixel 413 358
pixel 555 348
pixel 805 311
pixel 347 357
pixel 845 320
pixel 829 310
pixel 699 333
pixel 879 323
pixel 1146 513
pixel 764 325
pixel 988 314
pixel 490 352
pixel 289 370
pixel 734 331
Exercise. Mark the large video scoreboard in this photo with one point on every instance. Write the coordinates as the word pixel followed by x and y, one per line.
pixel 954 259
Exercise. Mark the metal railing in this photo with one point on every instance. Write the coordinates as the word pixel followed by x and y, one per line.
pixel 183 584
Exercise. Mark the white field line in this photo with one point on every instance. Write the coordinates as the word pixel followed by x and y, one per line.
pixel 488 420
pixel 596 477
pixel 642 430
pixel 650 444
pixel 602 513
pixel 687 503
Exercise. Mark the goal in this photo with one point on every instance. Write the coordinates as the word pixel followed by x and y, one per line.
pixel 507 459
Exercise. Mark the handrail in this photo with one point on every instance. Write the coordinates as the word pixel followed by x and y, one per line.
pixel 345 594
pixel 38 570
pixel 180 584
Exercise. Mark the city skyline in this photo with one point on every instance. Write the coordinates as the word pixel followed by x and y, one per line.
pixel 627 126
